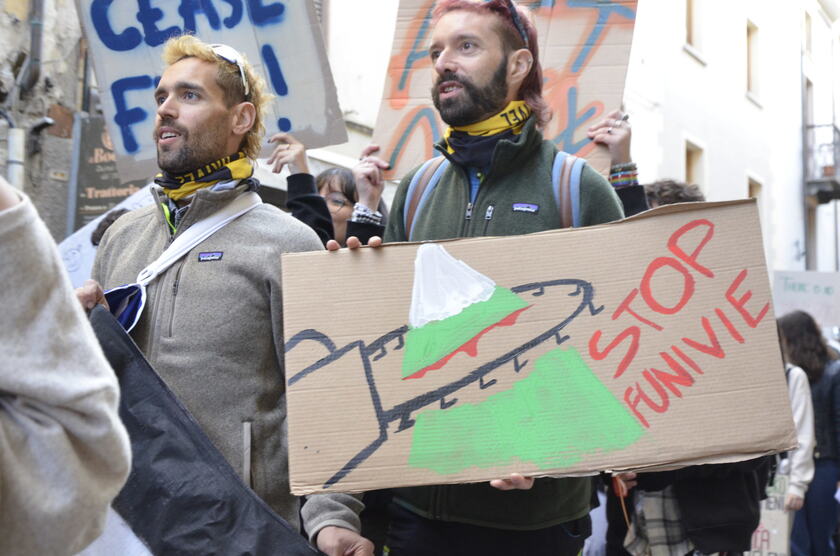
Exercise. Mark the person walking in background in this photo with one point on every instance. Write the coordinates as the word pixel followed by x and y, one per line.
pixel 799 463
pixel 814 524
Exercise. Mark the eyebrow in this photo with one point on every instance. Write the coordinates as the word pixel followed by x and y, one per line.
pixel 180 86
pixel 459 38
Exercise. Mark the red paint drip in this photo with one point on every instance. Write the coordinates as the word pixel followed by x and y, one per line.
pixel 470 347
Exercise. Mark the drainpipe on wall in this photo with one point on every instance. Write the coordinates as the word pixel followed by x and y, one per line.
pixel 16 139
pixel 32 72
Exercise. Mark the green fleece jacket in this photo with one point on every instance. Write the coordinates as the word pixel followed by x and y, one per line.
pixel 212 329
pixel 520 174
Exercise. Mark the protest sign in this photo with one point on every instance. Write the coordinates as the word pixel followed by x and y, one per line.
pixel 633 345
pixel 281 39
pixel 76 250
pixel 772 537
pixel 584 50
pixel 816 293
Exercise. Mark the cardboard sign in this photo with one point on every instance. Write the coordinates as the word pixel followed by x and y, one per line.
pixel 816 293
pixel 281 39
pixel 630 345
pixel 584 49
pixel 772 537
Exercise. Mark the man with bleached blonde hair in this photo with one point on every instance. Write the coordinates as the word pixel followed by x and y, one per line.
pixel 212 325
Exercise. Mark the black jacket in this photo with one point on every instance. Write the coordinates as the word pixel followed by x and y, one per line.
pixel 719 504
pixel 825 394
pixel 307 206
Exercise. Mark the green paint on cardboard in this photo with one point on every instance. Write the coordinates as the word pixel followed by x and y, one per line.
pixel 554 417
pixel 432 342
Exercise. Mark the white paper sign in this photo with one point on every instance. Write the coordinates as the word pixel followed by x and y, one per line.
pixel 77 252
pixel 816 293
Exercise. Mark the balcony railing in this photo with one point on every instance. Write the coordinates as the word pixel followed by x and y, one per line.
pixel 822 169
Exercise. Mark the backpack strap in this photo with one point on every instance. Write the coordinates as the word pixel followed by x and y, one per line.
pixel 565 178
pixel 424 181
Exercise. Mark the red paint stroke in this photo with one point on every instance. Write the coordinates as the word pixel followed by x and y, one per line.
pixel 471 347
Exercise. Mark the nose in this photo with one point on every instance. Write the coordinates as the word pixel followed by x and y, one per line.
pixel 167 108
pixel 445 62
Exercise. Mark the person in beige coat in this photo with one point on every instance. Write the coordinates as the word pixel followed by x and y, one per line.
pixel 64 454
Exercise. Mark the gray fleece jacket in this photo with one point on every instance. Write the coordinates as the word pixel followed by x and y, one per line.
pixel 212 329
pixel 64 454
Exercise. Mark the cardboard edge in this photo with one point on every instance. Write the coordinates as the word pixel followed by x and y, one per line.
pixel 658 211
pixel 303 491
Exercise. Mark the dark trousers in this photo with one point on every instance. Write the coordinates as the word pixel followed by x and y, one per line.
pixel 814 524
pixel 412 535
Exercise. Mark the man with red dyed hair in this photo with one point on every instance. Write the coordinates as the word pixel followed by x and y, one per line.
pixel 496 178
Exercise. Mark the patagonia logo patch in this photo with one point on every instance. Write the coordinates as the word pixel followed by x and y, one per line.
pixel 526 207
pixel 210 256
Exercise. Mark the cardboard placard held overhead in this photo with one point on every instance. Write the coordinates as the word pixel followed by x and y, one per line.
pixel 624 346
pixel 281 39
pixel 816 293
pixel 584 50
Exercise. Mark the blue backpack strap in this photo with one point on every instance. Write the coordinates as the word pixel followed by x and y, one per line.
pixel 421 186
pixel 565 179
pixel 574 185
pixel 556 171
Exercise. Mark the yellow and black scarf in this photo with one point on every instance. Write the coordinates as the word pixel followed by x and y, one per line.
pixel 234 167
pixel 473 145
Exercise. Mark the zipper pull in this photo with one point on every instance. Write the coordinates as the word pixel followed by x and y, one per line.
pixel 489 214
pixel 468 215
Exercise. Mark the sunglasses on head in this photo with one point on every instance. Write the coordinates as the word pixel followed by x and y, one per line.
pixel 231 56
pixel 517 22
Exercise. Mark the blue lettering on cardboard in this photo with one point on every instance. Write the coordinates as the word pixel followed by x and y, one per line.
pixel 127 40
pixel 126 117
pixel 275 74
pixel 149 16
pixel 189 8
pixel 262 15
pixel 418 51
pixel 236 12
pixel 605 9
pixel 566 138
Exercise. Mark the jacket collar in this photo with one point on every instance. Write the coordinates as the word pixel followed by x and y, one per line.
pixel 511 153
pixel 204 203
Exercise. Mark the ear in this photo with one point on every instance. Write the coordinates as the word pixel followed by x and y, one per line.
pixel 519 66
pixel 243 117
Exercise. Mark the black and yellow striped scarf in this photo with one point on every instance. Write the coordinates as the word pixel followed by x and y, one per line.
pixel 233 167
pixel 473 145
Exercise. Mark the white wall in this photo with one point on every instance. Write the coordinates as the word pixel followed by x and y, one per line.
pixel 676 94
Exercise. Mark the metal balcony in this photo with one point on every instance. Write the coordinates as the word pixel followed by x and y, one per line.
pixel 822 170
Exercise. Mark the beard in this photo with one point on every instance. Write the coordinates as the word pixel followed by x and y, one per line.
pixel 208 147
pixel 475 103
